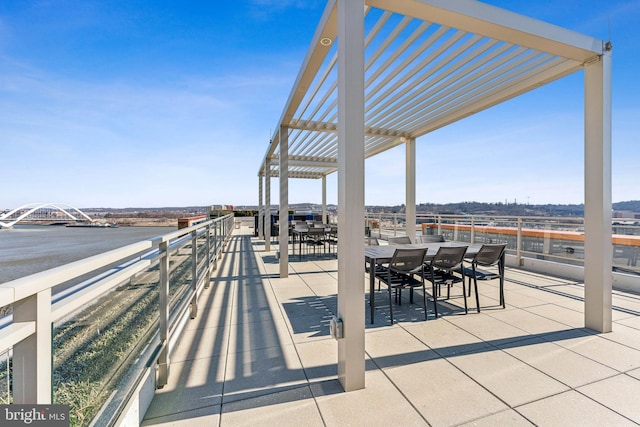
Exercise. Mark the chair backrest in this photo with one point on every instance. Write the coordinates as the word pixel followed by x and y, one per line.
pixel 407 260
pixel 489 254
pixel 301 226
pixel 402 240
pixel 431 238
pixel 449 257
pixel 371 241
pixel 315 231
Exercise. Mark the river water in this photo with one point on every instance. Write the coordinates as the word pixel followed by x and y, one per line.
pixel 28 249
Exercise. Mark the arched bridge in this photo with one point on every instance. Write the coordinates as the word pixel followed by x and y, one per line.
pixel 50 212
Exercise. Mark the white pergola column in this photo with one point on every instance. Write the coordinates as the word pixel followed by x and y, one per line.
pixel 598 249
pixel 283 219
pixel 260 208
pixel 410 188
pixel 324 200
pixel 351 368
pixel 267 207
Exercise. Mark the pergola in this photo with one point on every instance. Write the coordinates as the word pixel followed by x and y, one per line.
pixel 380 73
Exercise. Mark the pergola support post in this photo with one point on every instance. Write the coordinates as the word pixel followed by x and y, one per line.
pixel 267 208
pixel 324 200
pixel 410 188
pixel 351 355
pixel 283 219
pixel 598 249
pixel 260 209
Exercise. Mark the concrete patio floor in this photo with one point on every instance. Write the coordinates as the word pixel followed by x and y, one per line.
pixel 260 353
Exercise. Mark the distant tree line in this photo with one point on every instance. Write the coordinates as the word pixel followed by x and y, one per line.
pixel 145 214
pixel 461 208
pixel 510 209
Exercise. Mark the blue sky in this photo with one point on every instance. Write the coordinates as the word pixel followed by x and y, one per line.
pixel 162 103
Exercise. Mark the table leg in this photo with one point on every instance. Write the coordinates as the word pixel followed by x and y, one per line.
pixel 501 272
pixel 300 247
pixel 372 286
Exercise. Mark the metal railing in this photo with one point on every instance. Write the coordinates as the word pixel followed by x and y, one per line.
pixel 82 334
pixel 559 239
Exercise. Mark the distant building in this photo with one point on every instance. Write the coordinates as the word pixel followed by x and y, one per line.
pixel 625 214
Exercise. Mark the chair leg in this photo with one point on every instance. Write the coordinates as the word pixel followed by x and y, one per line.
pixel 475 285
pixel 435 300
pixel 464 295
pixel 424 300
pixel 390 306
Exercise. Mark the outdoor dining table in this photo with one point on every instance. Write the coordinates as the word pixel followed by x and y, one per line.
pixel 382 254
pixel 299 233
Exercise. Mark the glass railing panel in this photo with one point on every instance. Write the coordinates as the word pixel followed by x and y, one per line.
pixel 94 349
pixel 5 378
pixel 548 238
pixel 180 272
pixel 626 258
pixel 201 245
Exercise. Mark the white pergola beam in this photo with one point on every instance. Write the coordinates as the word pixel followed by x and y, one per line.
pixel 480 18
pixel 327 28
pixel 484 102
pixel 330 127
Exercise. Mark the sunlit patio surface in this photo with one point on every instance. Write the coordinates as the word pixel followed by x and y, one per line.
pixel 260 353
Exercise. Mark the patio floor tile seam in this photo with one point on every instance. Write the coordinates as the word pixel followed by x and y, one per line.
pixel 550 289
pixel 160 417
pixel 270 283
pixel 518 408
pixel 457 368
pixel 396 386
pixel 552 340
pixel 569 388
pixel 228 354
pixel 603 336
pixel 597 402
pixel 495 347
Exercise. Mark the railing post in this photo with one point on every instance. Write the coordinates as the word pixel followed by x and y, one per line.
pixel 194 273
pixel 546 242
pixel 395 225
pixel 208 234
pixel 215 246
pixel 32 356
pixel 163 357
pixel 472 238
pixel 519 243
pixel 439 224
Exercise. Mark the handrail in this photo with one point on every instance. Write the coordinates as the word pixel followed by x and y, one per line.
pixel 27 331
